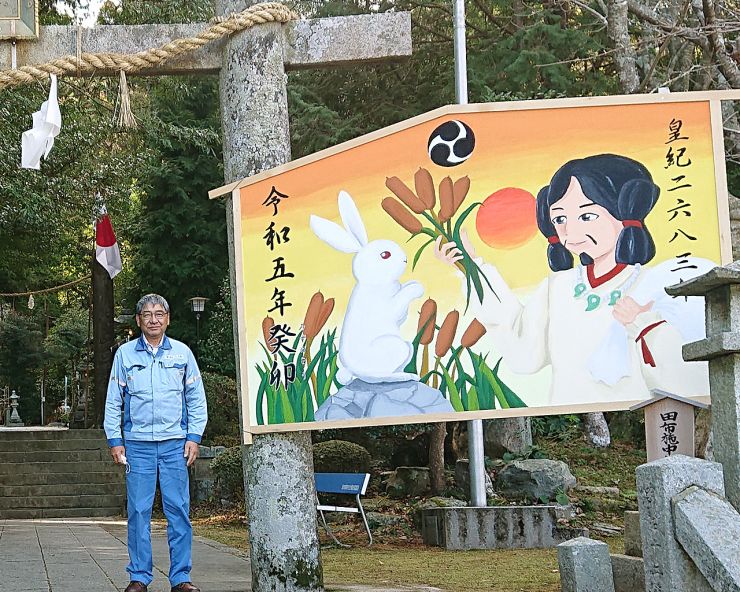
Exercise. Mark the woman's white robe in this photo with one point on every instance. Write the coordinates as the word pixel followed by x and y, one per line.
pixel 593 357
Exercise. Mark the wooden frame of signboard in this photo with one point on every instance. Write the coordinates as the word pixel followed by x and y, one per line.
pixel 714 99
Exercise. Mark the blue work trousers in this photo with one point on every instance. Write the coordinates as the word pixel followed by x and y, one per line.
pixel 149 461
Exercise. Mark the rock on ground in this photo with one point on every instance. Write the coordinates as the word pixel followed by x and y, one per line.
pixel 408 482
pixel 507 434
pixel 534 479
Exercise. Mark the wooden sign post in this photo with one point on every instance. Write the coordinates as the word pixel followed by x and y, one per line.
pixel 669 424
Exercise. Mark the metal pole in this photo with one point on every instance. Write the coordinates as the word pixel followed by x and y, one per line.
pixel 475 426
pixel 197 334
pixel 461 62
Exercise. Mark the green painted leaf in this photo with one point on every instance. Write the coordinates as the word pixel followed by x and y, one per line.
pixel 285 406
pixel 419 252
pixel 261 398
pixel 473 404
pixel 455 399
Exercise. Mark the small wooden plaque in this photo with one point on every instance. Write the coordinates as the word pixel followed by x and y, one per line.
pixel 669 425
pixel 669 429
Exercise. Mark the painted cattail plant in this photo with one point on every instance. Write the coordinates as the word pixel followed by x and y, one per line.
pixel 296 377
pixel 438 218
pixel 317 314
pixel 462 375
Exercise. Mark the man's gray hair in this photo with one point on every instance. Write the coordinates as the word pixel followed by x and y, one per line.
pixel 151 299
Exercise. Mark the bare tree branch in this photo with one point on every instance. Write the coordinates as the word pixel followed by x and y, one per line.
pixel 681 17
pixel 596 13
pixel 725 63
pixel 650 16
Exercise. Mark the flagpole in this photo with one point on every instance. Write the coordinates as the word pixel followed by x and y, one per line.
pixel 476 460
pixel 461 62
pixel 102 306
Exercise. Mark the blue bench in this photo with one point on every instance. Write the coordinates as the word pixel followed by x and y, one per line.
pixel 354 484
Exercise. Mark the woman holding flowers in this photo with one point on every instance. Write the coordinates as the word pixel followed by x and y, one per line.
pixel 602 321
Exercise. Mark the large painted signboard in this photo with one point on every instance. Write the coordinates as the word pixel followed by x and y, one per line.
pixel 481 261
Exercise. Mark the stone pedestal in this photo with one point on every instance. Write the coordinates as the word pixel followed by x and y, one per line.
pixel 667 567
pixel 628 573
pixel 497 527
pixel 708 528
pixel 632 538
pixel 585 566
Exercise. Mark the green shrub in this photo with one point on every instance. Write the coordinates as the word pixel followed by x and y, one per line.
pixel 340 456
pixel 227 467
pixel 223 410
pixel 561 427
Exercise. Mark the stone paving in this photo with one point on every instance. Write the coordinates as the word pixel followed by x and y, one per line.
pixel 76 555
pixel 89 555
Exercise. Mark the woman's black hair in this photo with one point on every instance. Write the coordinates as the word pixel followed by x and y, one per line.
pixel 619 184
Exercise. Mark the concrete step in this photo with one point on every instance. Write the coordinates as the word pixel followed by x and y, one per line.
pixel 22 434
pixel 114 475
pixel 53 444
pixel 62 489
pixel 63 501
pixel 63 466
pixel 50 456
pixel 28 513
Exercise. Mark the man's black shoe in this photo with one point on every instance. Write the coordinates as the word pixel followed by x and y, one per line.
pixel 185 587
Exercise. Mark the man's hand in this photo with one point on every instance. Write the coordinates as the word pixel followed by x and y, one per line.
pixel 191 451
pixel 118 453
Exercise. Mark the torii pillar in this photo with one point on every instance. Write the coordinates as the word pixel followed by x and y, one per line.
pixel 279 483
pixel 278 468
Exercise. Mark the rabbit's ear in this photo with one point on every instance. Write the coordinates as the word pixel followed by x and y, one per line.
pixel 334 235
pixel 351 218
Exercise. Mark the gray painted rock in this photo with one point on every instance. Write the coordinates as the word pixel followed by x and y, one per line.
pixel 534 479
pixel 382 399
pixel 408 482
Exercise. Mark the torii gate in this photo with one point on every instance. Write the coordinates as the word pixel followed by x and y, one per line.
pixel 278 468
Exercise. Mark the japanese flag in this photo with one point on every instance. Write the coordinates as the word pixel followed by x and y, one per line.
pixel 106 248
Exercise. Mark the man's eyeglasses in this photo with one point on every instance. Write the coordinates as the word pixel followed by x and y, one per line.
pixel 148 316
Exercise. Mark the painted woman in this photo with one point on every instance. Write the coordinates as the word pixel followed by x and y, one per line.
pixel 602 319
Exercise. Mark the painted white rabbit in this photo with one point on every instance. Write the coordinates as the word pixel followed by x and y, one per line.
pixel 371 347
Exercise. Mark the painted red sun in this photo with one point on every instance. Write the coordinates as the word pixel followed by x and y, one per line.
pixel 507 219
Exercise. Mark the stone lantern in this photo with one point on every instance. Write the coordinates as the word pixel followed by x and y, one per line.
pixel 721 348
pixel 15 418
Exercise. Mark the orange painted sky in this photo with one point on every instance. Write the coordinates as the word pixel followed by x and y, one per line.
pixel 513 149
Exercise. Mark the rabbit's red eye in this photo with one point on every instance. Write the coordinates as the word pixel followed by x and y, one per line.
pixel 385 254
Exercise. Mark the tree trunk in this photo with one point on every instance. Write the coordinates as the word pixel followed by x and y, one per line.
pixel 437 457
pixel 624 53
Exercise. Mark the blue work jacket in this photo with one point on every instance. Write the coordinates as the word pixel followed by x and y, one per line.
pixel 155 397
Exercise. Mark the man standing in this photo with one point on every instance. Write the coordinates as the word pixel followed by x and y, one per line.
pixel 156 392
